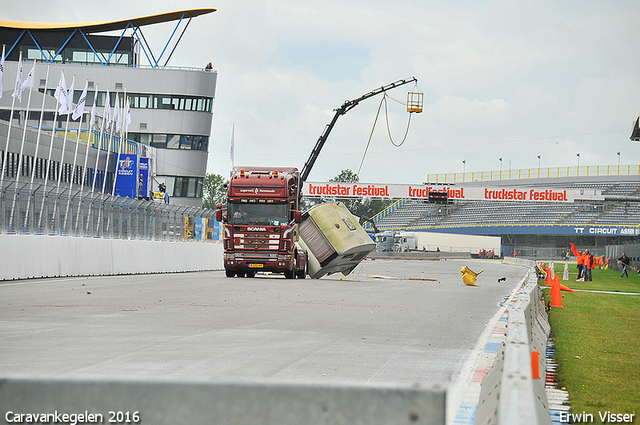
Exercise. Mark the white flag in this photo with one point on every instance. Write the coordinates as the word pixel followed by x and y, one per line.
pixel 59 90
pixel 92 120
pixel 26 83
pixel 127 117
pixel 107 109
pixel 1 70
pixel 116 112
pixel 62 95
pixel 77 113
pixel 18 79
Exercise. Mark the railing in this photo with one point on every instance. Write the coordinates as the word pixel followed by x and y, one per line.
pixel 386 211
pixel 25 210
pixel 535 173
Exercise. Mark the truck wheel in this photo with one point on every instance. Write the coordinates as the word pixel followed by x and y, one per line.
pixel 251 274
pixel 230 273
pixel 301 274
pixel 288 274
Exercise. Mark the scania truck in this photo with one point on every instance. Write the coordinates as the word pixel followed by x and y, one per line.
pixel 262 219
pixel 260 223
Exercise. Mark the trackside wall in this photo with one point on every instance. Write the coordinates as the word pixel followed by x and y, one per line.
pixel 226 403
pixel 34 256
pixel 509 394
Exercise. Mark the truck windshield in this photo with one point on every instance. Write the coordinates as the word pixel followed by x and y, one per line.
pixel 263 214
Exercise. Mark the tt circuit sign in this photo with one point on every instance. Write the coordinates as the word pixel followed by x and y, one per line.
pixel 606 231
pixel 470 193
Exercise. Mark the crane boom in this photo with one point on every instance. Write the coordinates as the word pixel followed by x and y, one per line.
pixel 346 106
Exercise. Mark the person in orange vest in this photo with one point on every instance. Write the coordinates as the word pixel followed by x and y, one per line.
pixel 587 265
pixel 580 258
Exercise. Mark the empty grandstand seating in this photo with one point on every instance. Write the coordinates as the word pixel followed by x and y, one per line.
pixel 416 214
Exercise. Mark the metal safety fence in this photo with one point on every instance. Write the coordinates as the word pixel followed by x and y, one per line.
pixel 535 173
pixel 45 210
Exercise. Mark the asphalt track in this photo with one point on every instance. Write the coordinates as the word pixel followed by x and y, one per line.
pixel 381 324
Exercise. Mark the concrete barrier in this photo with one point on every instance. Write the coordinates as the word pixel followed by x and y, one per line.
pixel 509 394
pixel 34 256
pixel 223 403
pixel 419 255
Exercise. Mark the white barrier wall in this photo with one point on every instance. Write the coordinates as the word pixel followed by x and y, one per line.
pixel 509 394
pixel 223 403
pixel 32 256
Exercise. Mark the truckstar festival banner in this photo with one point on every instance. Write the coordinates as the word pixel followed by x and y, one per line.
pixel 471 193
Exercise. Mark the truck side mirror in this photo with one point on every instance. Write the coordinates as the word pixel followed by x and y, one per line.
pixel 219 213
pixel 297 216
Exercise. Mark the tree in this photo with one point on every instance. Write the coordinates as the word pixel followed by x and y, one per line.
pixel 346 176
pixel 214 191
pixel 365 207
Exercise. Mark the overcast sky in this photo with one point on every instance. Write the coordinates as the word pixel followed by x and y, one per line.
pixel 501 79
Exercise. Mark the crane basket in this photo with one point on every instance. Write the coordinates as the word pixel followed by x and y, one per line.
pixel 414 102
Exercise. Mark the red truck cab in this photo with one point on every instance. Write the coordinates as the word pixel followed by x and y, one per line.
pixel 260 223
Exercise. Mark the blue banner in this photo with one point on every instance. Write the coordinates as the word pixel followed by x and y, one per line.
pixel 542 229
pixel 201 228
pixel 143 177
pixel 217 230
pixel 126 179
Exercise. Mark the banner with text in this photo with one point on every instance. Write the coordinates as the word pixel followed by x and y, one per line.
pixel 470 193
pixel 126 180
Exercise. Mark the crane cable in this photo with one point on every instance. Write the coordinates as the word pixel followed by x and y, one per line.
pixel 384 100
pixel 389 129
pixel 370 136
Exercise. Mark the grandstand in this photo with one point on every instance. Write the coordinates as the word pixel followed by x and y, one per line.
pixel 613 218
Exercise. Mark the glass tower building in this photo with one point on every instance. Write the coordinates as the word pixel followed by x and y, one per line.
pixel 171 108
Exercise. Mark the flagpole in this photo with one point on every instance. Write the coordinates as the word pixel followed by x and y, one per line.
pixel 106 167
pixel 109 124
pixel 64 145
pixel 117 119
pixel 233 131
pixel 98 144
pixel 24 136
pixel 95 170
pixel 13 103
pixel 84 173
pixel 2 69
pixel 48 163
pixel 79 109
pixel 91 126
pixel 35 156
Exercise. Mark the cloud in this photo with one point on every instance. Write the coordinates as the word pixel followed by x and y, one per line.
pixel 511 79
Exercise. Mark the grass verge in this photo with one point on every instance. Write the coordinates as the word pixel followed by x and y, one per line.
pixel 597 341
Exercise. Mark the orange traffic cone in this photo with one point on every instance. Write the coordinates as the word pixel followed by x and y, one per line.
pixel 556 281
pixel 549 278
pixel 556 295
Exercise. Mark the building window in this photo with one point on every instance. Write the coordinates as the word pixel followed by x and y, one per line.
pixel 37 54
pixel 184 187
pixel 171 141
pixel 147 101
